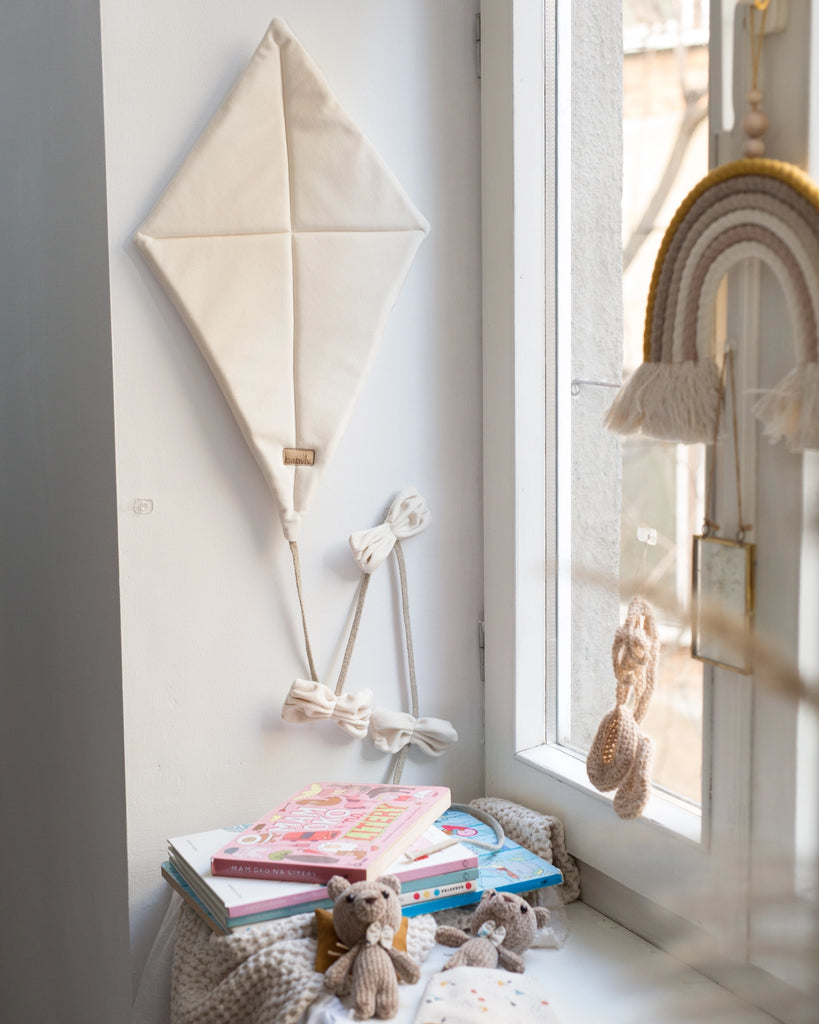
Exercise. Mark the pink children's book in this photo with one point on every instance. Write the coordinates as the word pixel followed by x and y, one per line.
pixel 349 829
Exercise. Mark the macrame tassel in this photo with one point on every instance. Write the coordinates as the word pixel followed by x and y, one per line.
pixel 626 414
pixel 791 409
pixel 668 401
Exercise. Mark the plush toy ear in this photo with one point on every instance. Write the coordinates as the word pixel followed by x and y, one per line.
pixel 487 894
pixel 542 915
pixel 336 886
pixel 391 881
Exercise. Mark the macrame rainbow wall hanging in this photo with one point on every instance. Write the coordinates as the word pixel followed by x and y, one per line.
pixel 751 208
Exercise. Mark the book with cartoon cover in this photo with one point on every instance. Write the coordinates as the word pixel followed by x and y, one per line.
pixel 349 829
pixel 231 898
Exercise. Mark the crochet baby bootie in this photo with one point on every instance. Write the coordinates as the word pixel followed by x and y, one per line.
pixel 621 754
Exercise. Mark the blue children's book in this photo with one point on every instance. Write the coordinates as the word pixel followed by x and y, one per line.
pixel 513 868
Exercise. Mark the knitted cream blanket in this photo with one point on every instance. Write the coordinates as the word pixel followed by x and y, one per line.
pixel 262 975
pixel 543 834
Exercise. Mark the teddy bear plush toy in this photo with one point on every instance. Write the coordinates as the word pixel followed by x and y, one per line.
pixel 366 916
pixel 503 928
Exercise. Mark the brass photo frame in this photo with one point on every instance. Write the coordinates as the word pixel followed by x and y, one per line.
pixel 722 584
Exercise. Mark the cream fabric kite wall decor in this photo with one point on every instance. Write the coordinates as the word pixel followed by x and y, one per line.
pixel 283 241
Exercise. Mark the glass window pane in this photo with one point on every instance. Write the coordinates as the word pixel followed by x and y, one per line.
pixel 665 152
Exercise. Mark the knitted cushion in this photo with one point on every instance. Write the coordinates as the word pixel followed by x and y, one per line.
pixel 260 975
pixel 543 834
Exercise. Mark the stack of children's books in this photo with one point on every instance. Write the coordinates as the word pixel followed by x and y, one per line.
pixel 240 876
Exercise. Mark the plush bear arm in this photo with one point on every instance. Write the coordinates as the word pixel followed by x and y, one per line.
pixel 335 976
pixel 405 967
pixel 476 952
pixel 510 960
pixel 447 935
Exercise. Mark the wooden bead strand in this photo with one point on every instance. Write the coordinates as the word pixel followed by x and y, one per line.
pixel 754 124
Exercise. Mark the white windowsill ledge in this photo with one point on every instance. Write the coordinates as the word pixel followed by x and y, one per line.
pixel 673 815
pixel 606 973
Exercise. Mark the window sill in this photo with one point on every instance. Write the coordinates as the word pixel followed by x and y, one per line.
pixel 604 972
pixel 633 980
pixel 664 811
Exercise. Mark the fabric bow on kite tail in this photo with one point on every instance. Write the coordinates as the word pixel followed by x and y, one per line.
pixel 394 732
pixel 391 731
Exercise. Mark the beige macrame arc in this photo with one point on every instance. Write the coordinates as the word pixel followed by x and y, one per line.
pixel 752 208
pixel 621 754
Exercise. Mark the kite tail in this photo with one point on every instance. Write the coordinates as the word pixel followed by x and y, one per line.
pixel 294 551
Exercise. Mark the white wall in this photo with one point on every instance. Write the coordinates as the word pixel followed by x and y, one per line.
pixel 210 629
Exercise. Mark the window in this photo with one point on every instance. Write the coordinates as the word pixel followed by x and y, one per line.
pixel 660 502
pixel 552 230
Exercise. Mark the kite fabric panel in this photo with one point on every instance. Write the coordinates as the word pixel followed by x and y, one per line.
pixel 751 208
pixel 284 241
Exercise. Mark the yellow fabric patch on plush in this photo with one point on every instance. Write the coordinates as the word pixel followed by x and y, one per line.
pixel 329 949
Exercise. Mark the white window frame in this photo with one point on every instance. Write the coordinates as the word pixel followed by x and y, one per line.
pixel 653 872
pixel 521 508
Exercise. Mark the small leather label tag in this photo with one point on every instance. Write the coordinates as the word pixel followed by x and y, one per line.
pixel 298 456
